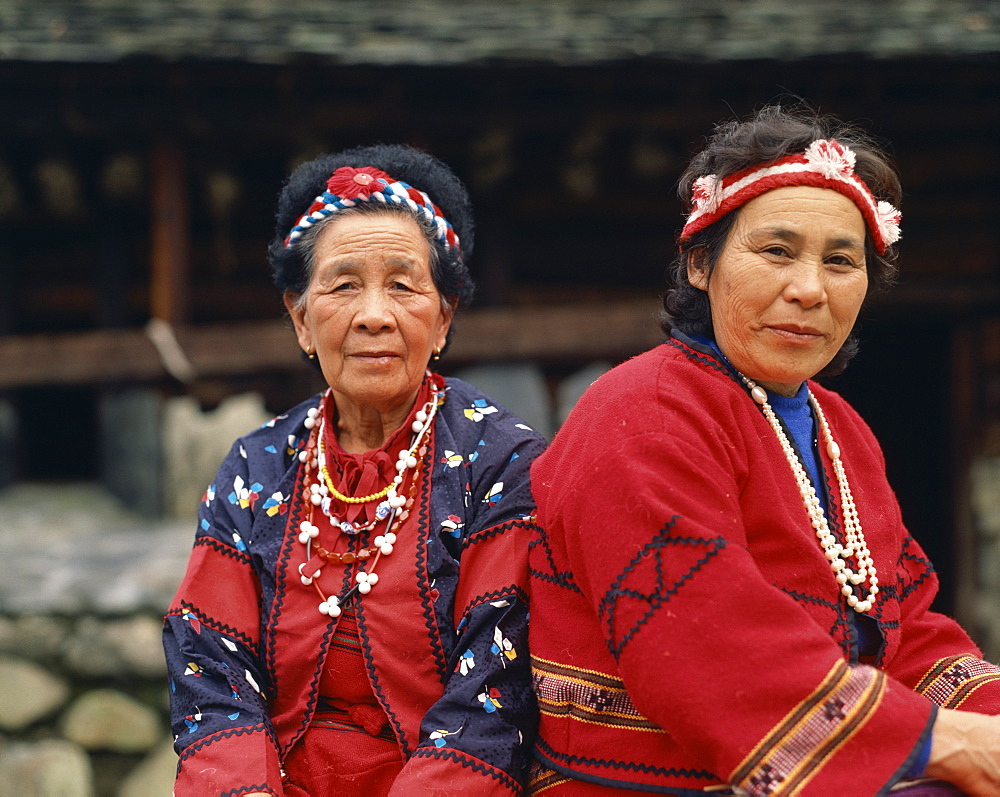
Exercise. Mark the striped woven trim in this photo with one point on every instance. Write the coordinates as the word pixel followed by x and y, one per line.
pixel 952 680
pixel 791 754
pixel 540 778
pixel 587 696
pixel 824 164
pixel 396 193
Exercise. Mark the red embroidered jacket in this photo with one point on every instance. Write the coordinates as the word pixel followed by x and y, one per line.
pixel 686 630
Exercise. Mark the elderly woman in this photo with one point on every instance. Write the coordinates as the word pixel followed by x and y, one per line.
pixel 725 598
pixel 353 618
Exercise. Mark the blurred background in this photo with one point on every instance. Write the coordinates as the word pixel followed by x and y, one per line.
pixel 143 144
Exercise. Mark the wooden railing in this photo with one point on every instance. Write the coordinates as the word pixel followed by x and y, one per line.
pixel 570 333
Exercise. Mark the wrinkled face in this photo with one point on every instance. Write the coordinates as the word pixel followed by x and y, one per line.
pixel 788 284
pixel 371 311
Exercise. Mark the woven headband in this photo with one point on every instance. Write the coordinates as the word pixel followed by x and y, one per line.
pixel 824 164
pixel 348 187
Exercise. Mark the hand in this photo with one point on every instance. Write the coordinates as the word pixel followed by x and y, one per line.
pixel 965 751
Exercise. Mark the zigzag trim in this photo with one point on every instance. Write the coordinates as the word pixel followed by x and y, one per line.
pixel 562 579
pixel 550 774
pixel 801 597
pixel 908 589
pixel 551 756
pixel 248 790
pixel 422 560
pixel 376 683
pixel 313 696
pixel 510 591
pixel 843 625
pixel 221 628
pixel 484 534
pixel 704 359
pixel 951 681
pixel 610 600
pixel 225 550
pixel 281 568
pixel 474 764
pixel 205 741
pixel 556 580
pixel 840 621
pixel 280 589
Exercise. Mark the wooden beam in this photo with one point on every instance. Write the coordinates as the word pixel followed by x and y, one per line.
pixel 571 333
pixel 578 332
pixel 170 258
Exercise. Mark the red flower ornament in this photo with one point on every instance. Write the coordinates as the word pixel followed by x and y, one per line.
pixel 351 183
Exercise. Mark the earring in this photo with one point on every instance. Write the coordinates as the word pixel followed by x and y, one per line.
pixel 310 353
pixel 437 355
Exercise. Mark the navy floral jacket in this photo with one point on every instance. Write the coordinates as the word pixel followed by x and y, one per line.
pixel 444 633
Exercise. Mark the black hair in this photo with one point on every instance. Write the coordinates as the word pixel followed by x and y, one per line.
pixel 771 133
pixel 290 266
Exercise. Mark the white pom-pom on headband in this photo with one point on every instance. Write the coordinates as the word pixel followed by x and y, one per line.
pixel 824 164
pixel 349 186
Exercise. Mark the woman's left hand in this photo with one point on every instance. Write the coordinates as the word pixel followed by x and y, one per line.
pixel 965 751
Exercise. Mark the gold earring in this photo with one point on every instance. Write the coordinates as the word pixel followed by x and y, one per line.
pixel 310 353
pixel 437 354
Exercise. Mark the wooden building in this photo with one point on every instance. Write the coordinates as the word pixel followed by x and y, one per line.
pixel 142 146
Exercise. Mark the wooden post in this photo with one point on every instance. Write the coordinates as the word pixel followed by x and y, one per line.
pixel 170 261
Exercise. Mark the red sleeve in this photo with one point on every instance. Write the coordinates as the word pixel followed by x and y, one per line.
pixel 936 658
pixel 243 761
pixel 451 772
pixel 218 686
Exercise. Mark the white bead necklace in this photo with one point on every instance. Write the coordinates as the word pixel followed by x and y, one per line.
pixel 393 510
pixel 855 546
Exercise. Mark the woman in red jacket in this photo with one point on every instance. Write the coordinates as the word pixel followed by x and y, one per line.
pixel 725 597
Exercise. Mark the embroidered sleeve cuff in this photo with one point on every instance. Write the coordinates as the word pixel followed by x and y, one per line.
pixel 853 708
pixel 240 761
pixel 952 681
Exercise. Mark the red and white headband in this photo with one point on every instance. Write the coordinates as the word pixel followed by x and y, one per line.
pixel 824 164
pixel 349 186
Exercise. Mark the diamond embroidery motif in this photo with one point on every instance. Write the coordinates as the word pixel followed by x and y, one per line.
pixel 647 582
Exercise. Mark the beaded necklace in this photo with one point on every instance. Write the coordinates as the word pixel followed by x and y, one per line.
pixel 855 546
pixel 318 492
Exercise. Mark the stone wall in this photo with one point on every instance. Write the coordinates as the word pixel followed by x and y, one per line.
pixel 83 707
pixel 85 579
pixel 84 584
